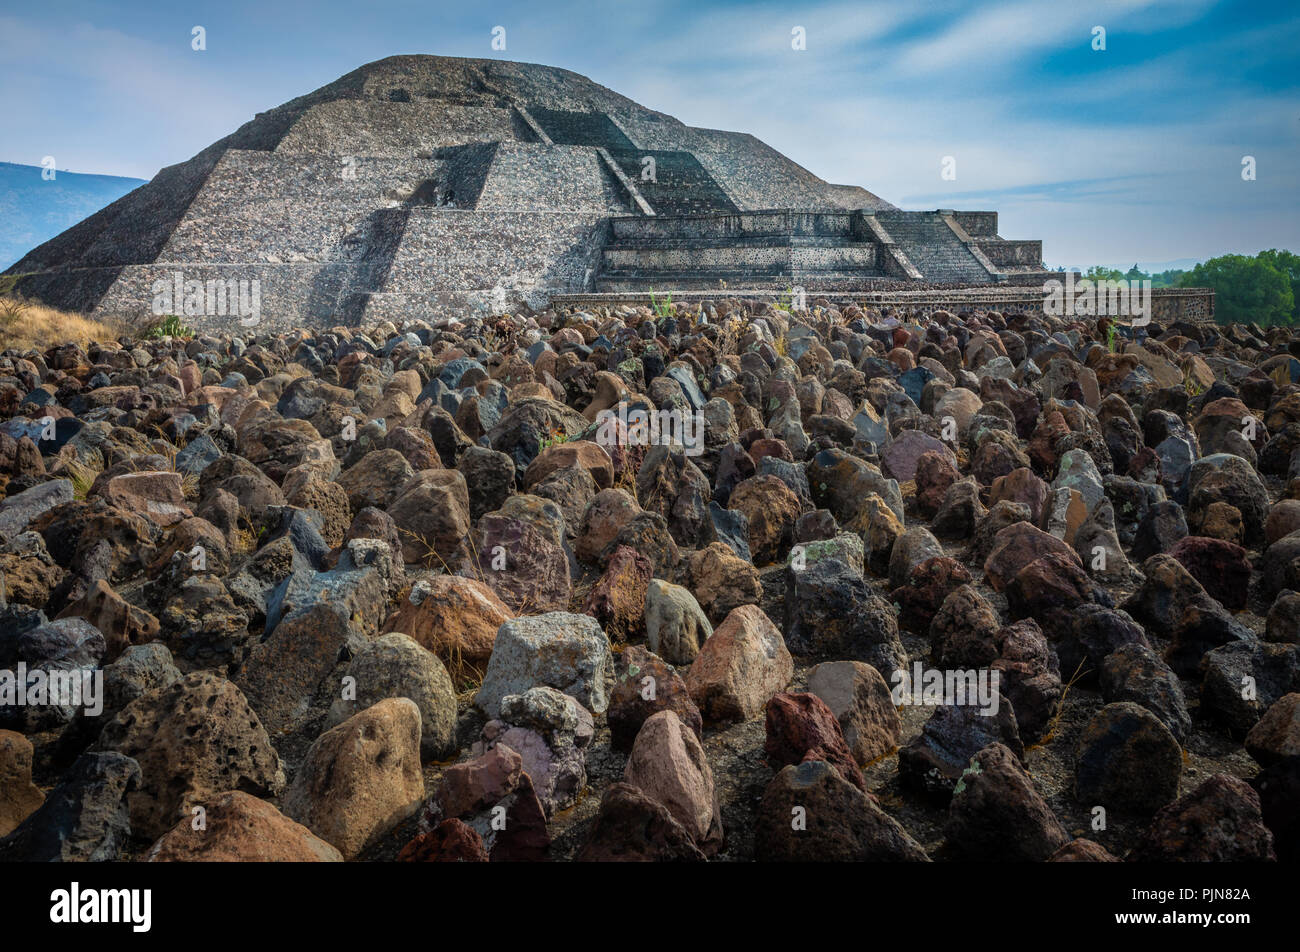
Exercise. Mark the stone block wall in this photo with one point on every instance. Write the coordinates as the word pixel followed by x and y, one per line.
pixel 551 178
pixel 530 255
pixel 320 214
pixel 978 224
pixel 374 127
pixel 1008 253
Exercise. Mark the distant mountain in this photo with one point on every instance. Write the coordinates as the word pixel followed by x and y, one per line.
pixel 33 210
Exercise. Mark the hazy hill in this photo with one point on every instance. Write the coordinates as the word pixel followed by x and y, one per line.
pixel 33 210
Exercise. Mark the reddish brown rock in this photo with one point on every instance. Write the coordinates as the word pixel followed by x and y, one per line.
pixel 740 666
pixel 903 455
pixel 1221 567
pixel 1015 547
pixel 1022 486
pixel 644 685
pixel 155 495
pixel 590 456
pixel 668 764
pixel 238 828
pixel 607 514
pixel 801 727
pixel 1050 588
pixel 771 509
pixel 934 474
pixel 721 581
pixel 617 600
pixel 452 841
pixel 454 617
pixel 121 623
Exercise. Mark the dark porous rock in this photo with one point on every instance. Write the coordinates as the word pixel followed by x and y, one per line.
pixel 1243 679
pixel 959 512
pixel 810 813
pixel 927 586
pixel 1278 787
pixel 1218 822
pixel 915 546
pixel 1277 734
pixel 1283 622
pixel 1221 567
pixel 1161 528
pixel 1224 477
pixel 1030 676
pixel 963 632
pixel 1127 760
pixel 85 819
pixel 634 828
pixel 1281 565
pixel 933 761
pixel 489 479
pixel 1171 604
pixel 644 685
pixel 997 815
pixel 1093 633
pixel 830 612
pixel 292 667
pixel 1134 672
pixel 193 738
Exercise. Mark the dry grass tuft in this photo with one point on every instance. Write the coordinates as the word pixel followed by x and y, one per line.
pixel 1050 734
pixel 27 325
pixel 82 471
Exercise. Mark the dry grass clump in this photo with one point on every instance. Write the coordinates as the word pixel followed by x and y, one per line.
pixel 83 470
pixel 27 325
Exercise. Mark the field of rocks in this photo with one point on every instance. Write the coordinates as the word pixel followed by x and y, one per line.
pixel 396 594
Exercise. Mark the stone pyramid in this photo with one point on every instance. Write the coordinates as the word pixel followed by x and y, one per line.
pixel 418 185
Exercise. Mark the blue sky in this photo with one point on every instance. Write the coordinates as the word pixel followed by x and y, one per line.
pixel 1128 154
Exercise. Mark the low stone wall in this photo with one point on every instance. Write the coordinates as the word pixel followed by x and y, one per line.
pixel 785 255
pixel 1168 304
pixel 769 223
pixel 287 295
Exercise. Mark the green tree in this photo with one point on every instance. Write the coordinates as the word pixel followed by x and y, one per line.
pixel 1288 264
pixel 1245 289
pixel 1136 274
pixel 1167 279
pixel 1098 273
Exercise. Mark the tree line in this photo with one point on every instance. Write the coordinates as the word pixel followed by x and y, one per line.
pixel 1263 288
